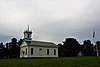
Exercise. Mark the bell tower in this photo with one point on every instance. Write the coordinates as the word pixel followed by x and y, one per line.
pixel 28 34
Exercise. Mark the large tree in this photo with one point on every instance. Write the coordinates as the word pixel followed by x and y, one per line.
pixel 71 47
pixel 88 49
pixel 60 50
pixel 14 48
pixel 2 50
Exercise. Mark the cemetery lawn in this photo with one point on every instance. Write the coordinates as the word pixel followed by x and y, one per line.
pixel 52 62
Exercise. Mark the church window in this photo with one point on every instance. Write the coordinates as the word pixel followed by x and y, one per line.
pixel 31 51
pixel 26 51
pixel 28 35
pixel 47 51
pixel 23 52
pixel 54 51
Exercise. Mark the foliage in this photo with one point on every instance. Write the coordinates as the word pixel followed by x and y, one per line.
pixel 70 47
pixel 60 50
pixel 88 49
pixel 2 50
pixel 13 48
pixel 10 50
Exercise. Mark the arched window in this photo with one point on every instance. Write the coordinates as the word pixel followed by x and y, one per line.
pixel 26 51
pixel 28 35
pixel 31 51
pixel 47 51
pixel 54 51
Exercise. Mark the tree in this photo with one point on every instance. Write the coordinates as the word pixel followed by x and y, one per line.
pixel 7 50
pixel 20 42
pixel 71 47
pixel 88 49
pixel 60 50
pixel 10 50
pixel 13 48
pixel 98 47
pixel 2 50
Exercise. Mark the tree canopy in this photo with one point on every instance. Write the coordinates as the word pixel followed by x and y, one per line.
pixel 70 47
pixel 88 49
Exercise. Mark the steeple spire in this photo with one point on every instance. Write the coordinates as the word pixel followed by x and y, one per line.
pixel 28 27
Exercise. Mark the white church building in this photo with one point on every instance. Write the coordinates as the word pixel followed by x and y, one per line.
pixel 31 48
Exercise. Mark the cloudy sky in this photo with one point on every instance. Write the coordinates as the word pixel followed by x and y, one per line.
pixel 50 20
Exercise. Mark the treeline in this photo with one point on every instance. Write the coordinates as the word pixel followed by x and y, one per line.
pixel 71 47
pixel 11 49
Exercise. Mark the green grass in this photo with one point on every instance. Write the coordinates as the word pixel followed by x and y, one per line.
pixel 52 62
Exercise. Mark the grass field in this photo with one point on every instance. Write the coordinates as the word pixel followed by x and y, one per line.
pixel 52 62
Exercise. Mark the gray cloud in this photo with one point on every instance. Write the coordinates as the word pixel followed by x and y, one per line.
pixel 50 20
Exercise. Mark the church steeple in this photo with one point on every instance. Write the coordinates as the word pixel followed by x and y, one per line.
pixel 27 34
pixel 28 28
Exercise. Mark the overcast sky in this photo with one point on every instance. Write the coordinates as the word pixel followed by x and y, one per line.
pixel 50 20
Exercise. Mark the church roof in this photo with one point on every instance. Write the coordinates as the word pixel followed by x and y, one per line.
pixel 40 43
